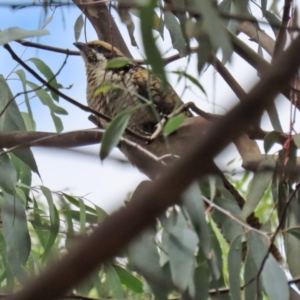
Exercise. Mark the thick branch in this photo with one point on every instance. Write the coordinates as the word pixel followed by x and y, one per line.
pixel 122 226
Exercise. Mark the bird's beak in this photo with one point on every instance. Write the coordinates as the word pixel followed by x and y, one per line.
pixel 80 46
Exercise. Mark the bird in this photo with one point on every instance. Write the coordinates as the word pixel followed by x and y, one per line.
pixel 132 86
pixel 129 87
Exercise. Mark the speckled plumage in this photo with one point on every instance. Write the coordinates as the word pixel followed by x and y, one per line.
pixel 135 84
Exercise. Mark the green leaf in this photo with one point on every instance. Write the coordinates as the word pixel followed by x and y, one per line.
pixel 270 139
pixel 54 221
pixel 182 245
pixel 117 63
pixel 114 281
pixel 260 182
pixel 29 122
pixel 15 233
pixel 78 27
pixel 273 20
pixel 75 202
pixel 250 272
pixel 192 79
pixel 113 133
pixel 129 280
pixel 57 123
pixel 82 216
pixel 193 203
pixel 173 124
pixel 273 278
pixel 105 88
pixel 16 33
pixel 49 75
pixel 152 53
pixel 174 28
pixel 78 216
pixel 234 267
pixel 8 174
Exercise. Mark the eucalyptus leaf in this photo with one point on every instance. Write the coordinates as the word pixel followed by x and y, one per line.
pixel 173 124
pixel 15 33
pixel 78 27
pixel 114 281
pixel 113 133
pixel 8 174
pixel 117 63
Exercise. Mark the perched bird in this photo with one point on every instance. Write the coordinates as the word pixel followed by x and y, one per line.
pixel 112 90
pixel 130 86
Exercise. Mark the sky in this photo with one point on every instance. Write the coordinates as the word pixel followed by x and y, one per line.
pixel 81 172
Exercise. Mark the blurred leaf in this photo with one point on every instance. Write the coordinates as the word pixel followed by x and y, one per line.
pixel 8 174
pixel 193 203
pixel 105 88
pixel 271 109
pixel 75 202
pixel 15 233
pixel 46 99
pixel 264 6
pixel 201 278
pixel 89 218
pixel 273 278
pixel 29 122
pixel 129 280
pixel 192 79
pixel 174 28
pixel 117 63
pixel 113 281
pixel 270 139
pixel 127 20
pixel 49 75
pixel 234 267
pixel 113 133
pixel 54 222
pixel 82 216
pixel 225 6
pixel 272 19
pixel 78 27
pixel 250 272
pixel 204 52
pixel 260 182
pixel 182 245
pixel 152 53
pixel 143 257
pixel 212 27
pixel 173 124
pixel 38 224
pixel 57 123
pixel 15 33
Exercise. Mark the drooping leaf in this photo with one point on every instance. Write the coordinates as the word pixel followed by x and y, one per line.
pixel 8 174
pixel 192 79
pixel 259 185
pixel 182 245
pixel 173 124
pixel 270 139
pixel 113 133
pixel 129 280
pixel 114 281
pixel 54 221
pixel 234 267
pixel 193 203
pixel 16 33
pixel 273 278
pixel 273 20
pixel 49 75
pixel 78 27
pixel 15 233
pixel 174 28
pixel 225 6
pixel 125 17
pixel 152 53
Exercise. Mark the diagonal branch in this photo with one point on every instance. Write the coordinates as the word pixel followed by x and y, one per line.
pixel 122 226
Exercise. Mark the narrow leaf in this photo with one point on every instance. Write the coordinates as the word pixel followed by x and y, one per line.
pixel 113 133
pixel 16 33
pixel 117 63
pixel 78 27
pixel 173 124
pixel 114 281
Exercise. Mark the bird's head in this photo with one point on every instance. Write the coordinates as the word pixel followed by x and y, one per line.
pixel 97 53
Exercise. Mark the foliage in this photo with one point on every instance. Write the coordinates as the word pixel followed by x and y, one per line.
pixel 196 249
